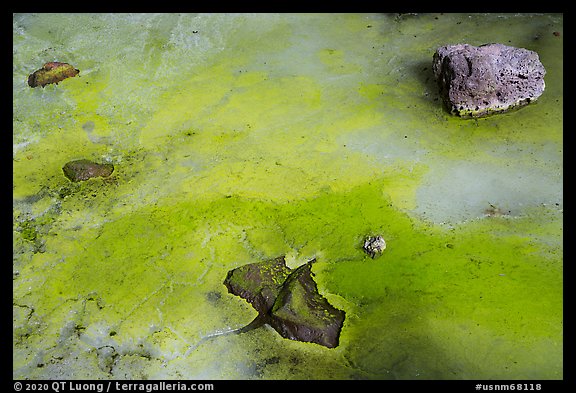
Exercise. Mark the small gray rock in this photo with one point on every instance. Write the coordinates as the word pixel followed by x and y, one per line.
pixel 374 245
pixel 491 78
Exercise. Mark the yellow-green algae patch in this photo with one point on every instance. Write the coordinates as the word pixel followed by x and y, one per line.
pixel 461 295
pixel 158 273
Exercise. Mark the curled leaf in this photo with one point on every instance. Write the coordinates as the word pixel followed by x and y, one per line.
pixel 288 300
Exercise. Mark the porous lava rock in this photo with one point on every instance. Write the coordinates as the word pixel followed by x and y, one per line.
pixel 374 246
pixel 476 81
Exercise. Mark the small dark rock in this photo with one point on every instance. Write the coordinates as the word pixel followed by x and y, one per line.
pixel 81 170
pixel 492 78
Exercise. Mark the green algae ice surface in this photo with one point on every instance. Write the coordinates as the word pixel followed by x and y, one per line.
pixel 241 138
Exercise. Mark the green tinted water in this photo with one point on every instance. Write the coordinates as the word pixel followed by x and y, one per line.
pixel 239 138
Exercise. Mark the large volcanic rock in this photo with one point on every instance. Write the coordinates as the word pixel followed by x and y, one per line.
pixel 492 78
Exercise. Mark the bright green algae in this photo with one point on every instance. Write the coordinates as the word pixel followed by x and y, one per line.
pixel 431 287
pixel 241 158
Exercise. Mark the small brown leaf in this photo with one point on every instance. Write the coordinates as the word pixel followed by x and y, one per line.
pixel 52 72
